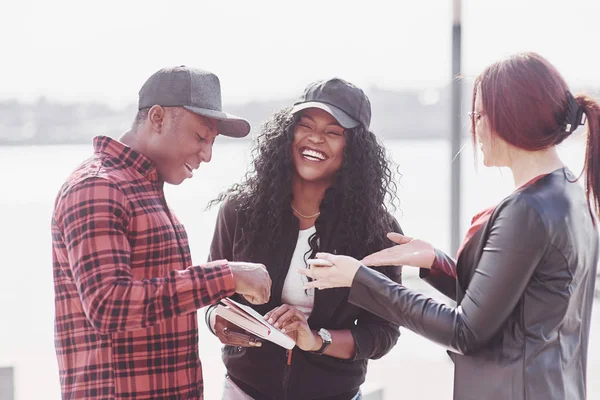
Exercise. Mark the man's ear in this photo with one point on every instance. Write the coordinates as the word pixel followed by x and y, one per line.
pixel 156 116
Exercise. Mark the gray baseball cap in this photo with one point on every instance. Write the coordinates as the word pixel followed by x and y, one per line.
pixel 195 90
pixel 348 104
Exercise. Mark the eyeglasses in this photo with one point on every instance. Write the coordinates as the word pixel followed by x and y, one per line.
pixel 475 115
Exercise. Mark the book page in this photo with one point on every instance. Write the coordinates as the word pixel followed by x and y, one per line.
pixel 251 311
pixel 242 320
pixel 275 335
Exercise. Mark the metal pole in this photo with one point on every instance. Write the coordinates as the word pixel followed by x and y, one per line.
pixel 7 390
pixel 456 128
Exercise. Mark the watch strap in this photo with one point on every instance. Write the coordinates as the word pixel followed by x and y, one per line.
pixel 324 346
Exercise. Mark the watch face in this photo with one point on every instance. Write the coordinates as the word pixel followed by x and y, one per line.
pixel 324 333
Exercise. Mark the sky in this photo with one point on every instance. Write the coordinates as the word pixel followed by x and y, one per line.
pixel 77 50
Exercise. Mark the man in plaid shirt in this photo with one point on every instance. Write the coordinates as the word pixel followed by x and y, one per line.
pixel 126 294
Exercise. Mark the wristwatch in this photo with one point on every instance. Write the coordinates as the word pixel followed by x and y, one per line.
pixel 326 336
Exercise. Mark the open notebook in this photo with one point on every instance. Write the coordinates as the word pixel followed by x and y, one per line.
pixel 248 319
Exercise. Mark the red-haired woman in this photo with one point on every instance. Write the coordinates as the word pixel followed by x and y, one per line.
pixel 524 277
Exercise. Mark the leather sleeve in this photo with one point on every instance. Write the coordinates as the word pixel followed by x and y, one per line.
pixel 516 243
pixel 375 336
pixel 440 275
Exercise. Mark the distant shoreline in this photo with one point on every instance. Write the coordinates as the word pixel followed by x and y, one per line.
pixel 423 114
pixel 24 143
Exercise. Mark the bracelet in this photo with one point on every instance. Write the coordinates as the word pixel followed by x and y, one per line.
pixel 207 315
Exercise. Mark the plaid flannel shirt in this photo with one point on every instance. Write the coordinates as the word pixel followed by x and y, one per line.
pixel 125 293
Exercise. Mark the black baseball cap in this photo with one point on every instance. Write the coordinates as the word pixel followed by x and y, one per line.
pixel 348 104
pixel 196 90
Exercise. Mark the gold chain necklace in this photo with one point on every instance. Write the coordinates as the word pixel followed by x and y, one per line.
pixel 305 216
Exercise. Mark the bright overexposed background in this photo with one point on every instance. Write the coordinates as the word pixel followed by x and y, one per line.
pixel 73 52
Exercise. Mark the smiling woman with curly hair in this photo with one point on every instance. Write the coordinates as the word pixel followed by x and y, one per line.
pixel 320 182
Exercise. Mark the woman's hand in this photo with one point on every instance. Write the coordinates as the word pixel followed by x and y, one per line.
pixel 292 322
pixel 409 251
pixel 340 274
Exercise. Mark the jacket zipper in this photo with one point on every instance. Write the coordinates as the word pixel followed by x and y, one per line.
pixel 286 371
pixel 287 259
pixel 279 280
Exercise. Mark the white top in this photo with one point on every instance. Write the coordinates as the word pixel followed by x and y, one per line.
pixel 294 293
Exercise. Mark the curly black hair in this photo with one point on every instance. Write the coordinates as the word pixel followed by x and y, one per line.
pixel 359 202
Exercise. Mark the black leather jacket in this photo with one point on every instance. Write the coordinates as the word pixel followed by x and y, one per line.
pixel 524 289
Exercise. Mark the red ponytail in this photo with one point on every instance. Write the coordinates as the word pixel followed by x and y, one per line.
pixel 591 108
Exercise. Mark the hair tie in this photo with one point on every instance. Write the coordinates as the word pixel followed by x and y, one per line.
pixel 574 116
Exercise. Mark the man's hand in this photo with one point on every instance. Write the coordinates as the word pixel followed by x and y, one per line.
pixel 233 335
pixel 252 281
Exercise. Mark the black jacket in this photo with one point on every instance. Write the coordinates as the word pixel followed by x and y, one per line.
pixel 263 372
pixel 524 289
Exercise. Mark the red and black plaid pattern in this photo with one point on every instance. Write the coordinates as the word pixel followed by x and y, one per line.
pixel 125 293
